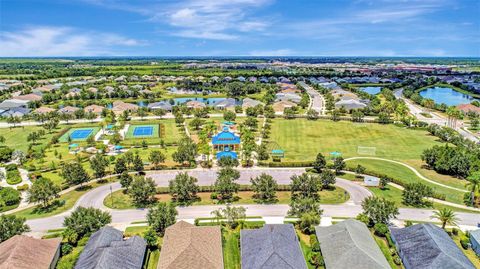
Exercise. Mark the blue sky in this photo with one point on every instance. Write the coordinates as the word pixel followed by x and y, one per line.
pixel 239 28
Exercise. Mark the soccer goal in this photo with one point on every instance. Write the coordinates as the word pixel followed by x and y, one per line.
pixel 371 151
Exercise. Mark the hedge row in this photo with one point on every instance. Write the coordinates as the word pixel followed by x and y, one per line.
pixel 286 164
pixel 164 190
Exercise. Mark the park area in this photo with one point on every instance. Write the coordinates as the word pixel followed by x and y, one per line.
pixel 79 134
pixel 302 139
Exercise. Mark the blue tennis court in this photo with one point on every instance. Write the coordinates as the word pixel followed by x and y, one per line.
pixel 81 134
pixel 143 131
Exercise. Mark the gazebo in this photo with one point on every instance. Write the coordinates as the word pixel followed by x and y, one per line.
pixel 226 153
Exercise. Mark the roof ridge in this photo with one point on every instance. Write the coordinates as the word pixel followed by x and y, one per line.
pixel 446 253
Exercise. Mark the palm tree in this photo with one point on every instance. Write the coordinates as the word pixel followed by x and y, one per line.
pixel 446 216
pixel 474 184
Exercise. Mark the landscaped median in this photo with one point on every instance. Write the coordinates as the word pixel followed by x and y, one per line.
pixel 121 200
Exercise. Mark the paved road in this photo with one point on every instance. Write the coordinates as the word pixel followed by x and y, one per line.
pixel 95 197
pixel 317 99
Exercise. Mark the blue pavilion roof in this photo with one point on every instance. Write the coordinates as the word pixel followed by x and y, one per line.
pixel 225 138
pixel 226 154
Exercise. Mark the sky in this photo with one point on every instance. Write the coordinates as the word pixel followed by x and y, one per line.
pixel 239 28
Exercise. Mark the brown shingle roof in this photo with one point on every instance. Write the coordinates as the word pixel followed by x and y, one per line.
pixel 22 251
pixel 44 110
pixel 186 246
pixel 468 107
pixel 93 108
pixel 29 97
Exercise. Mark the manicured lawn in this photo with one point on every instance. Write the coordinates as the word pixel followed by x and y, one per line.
pixel 153 257
pixel 303 139
pixel 406 175
pixel 231 248
pixel 383 245
pixel 420 166
pixel 165 129
pixel 468 252
pixel 68 199
pixel 120 200
pixel 16 138
pixel 135 230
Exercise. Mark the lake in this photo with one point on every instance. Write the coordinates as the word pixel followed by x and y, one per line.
pixel 371 90
pixel 446 96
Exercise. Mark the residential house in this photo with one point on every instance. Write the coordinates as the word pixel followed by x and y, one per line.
pixel 15 112
pixel 43 110
pixel 427 246
pixel 475 241
pixel 249 102
pixel 272 246
pixel 466 108
pixel 186 246
pixel 106 248
pixel 31 97
pixel 350 104
pixel 93 90
pixel 94 109
pixel 292 97
pixel 281 105
pixel 25 252
pixel 14 107
pixel 160 105
pixel 68 110
pixel 349 244
pixel 109 89
pixel 195 104
pixel 119 107
pixel 226 104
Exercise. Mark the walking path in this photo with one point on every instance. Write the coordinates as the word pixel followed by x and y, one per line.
pixel 411 168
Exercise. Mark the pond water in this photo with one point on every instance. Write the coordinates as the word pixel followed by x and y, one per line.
pixel 207 101
pixel 371 90
pixel 446 96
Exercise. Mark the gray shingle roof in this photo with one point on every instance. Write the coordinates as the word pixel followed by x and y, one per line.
pixel 107 249
pixel 273 246
pixel 349 244
pixel 426 246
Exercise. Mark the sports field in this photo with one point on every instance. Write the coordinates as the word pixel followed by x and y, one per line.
pixel 79 134
pixel 303 139
pixel 143 131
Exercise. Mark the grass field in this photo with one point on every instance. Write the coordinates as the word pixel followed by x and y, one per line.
pixel 16 138
pixel 231 249
pixel 303 139
pixel 131 131
pixel 404 174
pixel 64 137
pixel 120 200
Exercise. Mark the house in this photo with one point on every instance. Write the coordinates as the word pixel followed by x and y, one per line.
pixel 465 108
pixel 109 89
pixel 249 102
pixel 272 246
pixel 350 104
pixel 281 105
pixel 226 104
pixel 160 105
pixel 94 109
pixel 29 97
pixel 106 248
pixel 292 97
pixel 13 107
pixel 43 110
pixel 13 103
pixel 186 246
pixel 119 107
pixel 93 90
pixel 195 104
pixel 68 110
pixel 426 246
pixel 25 252
pixel 475 241
pixel 226 140
pixel 349 244
pixel 15 112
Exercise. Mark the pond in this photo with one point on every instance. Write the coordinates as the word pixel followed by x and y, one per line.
pixel 207 101
pixel 371 90
pixel 446 96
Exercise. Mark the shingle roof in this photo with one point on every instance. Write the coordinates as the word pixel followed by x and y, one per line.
pixel 22 251
pixel 107 249
pixel 349 244
pixel 426 246
pixel 272 246
pixel 186 246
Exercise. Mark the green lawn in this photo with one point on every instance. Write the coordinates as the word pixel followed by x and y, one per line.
pixel 468 252
pixel 383 245
pixel 16 138
pixel 406 175
pixel 120 200
pixel 303 139
pixel 231 249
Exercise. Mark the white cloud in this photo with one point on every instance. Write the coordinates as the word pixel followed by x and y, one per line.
pixel 279 52
pixel 61 41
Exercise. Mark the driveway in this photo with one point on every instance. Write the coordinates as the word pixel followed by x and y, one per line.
pixel 317 101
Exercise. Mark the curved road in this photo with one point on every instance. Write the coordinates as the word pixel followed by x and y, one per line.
pixel 206 177
pixel 351 208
